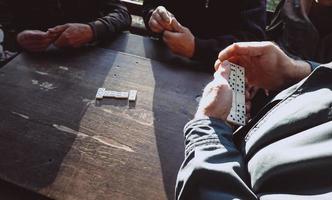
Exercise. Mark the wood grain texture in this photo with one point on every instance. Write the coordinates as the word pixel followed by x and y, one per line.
pixel 58 141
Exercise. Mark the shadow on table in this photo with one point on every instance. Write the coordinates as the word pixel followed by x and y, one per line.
pixel 152 48
pixel 177 87
pixel 43 98
pixel 10 191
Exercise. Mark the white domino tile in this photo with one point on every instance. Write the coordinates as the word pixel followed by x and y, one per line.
pixel 237 83
pixel 132 95
pixel 100 93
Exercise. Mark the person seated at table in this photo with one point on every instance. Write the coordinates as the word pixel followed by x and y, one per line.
pixel 35 24
pixel 200 29
pixel 283 153
pixel 302 28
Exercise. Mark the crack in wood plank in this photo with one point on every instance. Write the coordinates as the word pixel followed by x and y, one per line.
pixel 112 143
pixel 106 141
pixel 41 73
pixel 20 115
pixel 142 115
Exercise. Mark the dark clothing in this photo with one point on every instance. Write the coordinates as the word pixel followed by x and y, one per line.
pixel 302 36
pixel 283 153
pixel 215 23
pixel 313 65
pixel 106 17
pixel 5 55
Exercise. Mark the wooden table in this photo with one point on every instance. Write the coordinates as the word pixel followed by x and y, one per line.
pixel 152 48
pixel 56 140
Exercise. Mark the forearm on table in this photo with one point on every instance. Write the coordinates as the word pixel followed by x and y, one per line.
pixel 213 167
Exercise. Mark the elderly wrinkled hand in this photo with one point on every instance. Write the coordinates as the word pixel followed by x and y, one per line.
pixel 72 35
pixel 216 101
pixel 160 20
pixel 266 65
pixel 34 40
pixel 180 41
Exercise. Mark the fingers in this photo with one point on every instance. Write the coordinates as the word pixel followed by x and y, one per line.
pixel 250 92
pixel 55 32
pixel 58 29
pixel 38 36
pixel 160 20
pixel 155 26
pixel 33 35
pixel 176 26
pixel 34 41
pixel 223 72
pixel 169 37
pixel 217 65
pixel 63 40
pixel 164 14
pixel 75 35
pixel 244 49
pixel 248 109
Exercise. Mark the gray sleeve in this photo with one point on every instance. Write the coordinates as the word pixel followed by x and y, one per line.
pixel 213 167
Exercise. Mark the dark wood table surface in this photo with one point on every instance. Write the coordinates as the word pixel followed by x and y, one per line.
pixel 152 48
pixel 56 140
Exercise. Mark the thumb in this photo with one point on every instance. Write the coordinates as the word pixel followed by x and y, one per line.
pixel 223 72
pixel 176 25
pixel 58 29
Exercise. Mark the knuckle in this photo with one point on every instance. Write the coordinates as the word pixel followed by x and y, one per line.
pixel 220 54
pixel 236 46
pixel 151 22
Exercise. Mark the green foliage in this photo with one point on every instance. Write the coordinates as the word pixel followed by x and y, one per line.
pixel 272 4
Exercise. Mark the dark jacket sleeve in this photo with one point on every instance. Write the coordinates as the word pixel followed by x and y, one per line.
pixel 116 19
pixel 313 65
pixel 213 168
pixel 5 16
pixel 253 18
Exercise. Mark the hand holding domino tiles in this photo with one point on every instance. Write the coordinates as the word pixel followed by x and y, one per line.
pixel 266 65
pixel 216 101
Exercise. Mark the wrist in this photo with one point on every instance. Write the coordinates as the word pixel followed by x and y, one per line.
pixel 89 33
pixel 211 112
pixel 192 47
pixel 298 70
